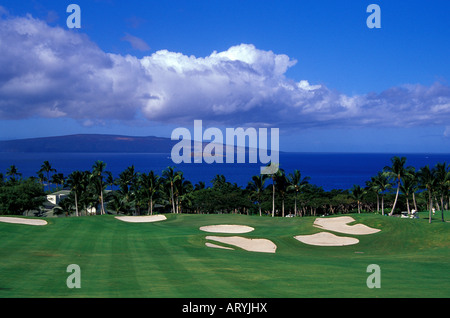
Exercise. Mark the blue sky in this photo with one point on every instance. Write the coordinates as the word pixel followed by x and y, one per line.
pixel 313 69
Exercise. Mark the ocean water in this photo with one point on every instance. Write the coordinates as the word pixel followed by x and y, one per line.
pixel 328 170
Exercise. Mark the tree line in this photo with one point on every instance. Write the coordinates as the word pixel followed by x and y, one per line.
pixel 393 189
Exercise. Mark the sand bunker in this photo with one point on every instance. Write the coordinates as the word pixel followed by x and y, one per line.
pixel 218 246
pixel 339 224
pixel 22 221
pixel 225 228
pixel 142 219
pixel 326 239
pixel 252 245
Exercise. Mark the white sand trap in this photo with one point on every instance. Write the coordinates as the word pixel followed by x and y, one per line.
pixel 226 228
pixel 22 221
pixel 142 218
pixel 326 239
pixel 218 246
pixel 252 245
pixel 339 224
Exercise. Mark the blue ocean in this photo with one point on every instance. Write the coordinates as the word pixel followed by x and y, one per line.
pixel 327 170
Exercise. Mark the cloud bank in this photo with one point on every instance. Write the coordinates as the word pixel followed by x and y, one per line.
pixel 52 72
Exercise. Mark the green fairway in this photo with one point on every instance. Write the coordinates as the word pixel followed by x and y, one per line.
pixel 169 259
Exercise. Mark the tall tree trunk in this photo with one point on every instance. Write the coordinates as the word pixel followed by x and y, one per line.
pixel 295 205
pixel 437 203
pixel 382 204
pixel 414 200
pixel 395 202
pixel 102 211
pixel 407 205
pixel 151 205
pixel 273 199
pixel 76 204
pixel 171 194
pixel 431 206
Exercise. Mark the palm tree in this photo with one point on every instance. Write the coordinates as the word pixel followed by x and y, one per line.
pixel 171 176
pixel 109 179
pixel 47 168
pixel 117 203
pixel 64 206
pixel 182 191
pixel 414 179
pixel 273 176
pixel 126 179
pixel 150 184
pixel 297 184
pixel 41 178
pixel 381 184
pixel 428 182
pixel 357 194
pixel 372 186
pixel 256 187
pixel 442 175
pixel 407 187
pixel 75 182
pixel 13 172
pixel 219 180
pixel 58 179
pixel 97 173
pixel 200 185
pixel 127 183
pixel 396 172
pixel 281 185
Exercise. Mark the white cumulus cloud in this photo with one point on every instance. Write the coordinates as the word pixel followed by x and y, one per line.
pixel 53 72
pixel 50 72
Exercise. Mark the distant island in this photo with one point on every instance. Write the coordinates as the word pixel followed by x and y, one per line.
pixel 90 143
pixel 94 143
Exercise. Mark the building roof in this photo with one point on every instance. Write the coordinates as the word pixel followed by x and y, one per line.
pixel 61 192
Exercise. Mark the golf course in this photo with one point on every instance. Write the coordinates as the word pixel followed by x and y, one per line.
pixel 175 256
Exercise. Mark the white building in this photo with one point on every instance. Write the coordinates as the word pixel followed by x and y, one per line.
pixel 57 196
